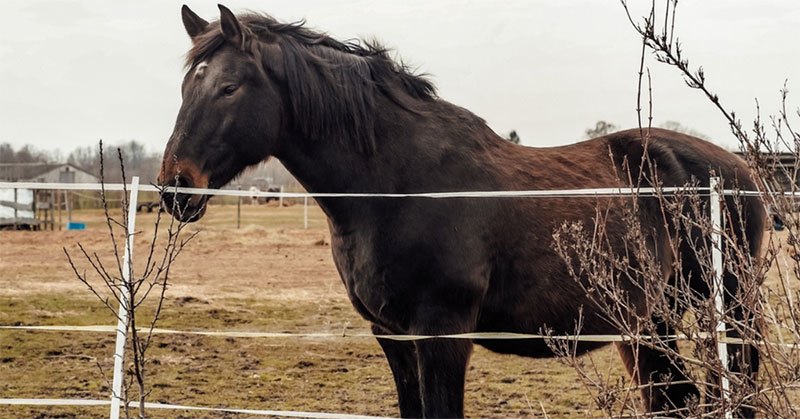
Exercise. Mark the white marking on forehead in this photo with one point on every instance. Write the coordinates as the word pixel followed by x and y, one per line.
pixel 200 69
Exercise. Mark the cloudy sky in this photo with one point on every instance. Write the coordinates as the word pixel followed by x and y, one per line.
pixel 73 72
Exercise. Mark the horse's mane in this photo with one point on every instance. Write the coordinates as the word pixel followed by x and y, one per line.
pixel 332 84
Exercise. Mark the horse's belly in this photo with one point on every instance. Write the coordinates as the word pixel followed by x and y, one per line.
pixel 537 315
pixel 534 348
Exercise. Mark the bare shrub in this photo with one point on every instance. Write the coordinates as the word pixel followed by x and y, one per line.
pixel 674 314
pixel 124 291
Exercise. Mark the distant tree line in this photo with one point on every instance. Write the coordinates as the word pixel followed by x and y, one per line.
pixel 136 159
pixel 138 162
pixel 26 154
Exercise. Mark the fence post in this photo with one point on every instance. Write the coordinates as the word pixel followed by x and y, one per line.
pixel 715 201
pixel 305 212
pixel 124 297
pixel 58 198
pixel 68 200
pixel 53 211
pixel 280 198
pixel 16 213
pixel 239 209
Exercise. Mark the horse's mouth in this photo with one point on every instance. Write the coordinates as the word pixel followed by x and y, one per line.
pixel 184 208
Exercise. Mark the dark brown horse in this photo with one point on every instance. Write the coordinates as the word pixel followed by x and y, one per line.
pixel 345 117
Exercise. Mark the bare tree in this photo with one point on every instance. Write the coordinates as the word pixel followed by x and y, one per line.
pixel 512 137
pixel 135 156
pixel 601 128
pixel 677 126
pixel 25 154
pixel 674 320
pixel 110 283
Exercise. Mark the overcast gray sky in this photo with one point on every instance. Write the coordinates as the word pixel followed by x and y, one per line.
pixel 73 72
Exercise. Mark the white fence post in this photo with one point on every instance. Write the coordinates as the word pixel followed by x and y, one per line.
pixel 305 212
pixel 122 314
pixel 280 198
pixel 718 287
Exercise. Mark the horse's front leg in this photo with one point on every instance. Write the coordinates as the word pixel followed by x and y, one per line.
pixel 442 362
pixel 402 358
pixel 442 370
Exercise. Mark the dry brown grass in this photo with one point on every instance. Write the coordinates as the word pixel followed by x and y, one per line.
pixel 270 275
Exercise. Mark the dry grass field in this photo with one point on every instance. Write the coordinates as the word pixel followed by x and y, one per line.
pixel 269 275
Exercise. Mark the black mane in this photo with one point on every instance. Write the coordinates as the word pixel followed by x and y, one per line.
pixel 332 84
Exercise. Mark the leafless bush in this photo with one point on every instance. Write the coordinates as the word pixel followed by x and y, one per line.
pixel 677 320
pixel 116 284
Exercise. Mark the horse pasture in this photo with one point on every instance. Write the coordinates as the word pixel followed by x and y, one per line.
pixel 269 275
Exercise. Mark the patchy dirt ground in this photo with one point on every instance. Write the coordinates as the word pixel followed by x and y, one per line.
pixel 270 275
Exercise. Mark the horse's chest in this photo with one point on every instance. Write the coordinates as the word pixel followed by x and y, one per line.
pixel 367 281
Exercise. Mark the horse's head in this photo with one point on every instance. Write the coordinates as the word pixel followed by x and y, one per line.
pixel 231 115
pixel 253 81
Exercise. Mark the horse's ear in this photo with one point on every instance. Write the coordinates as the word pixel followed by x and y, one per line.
pixel 195 25
pixel 231 27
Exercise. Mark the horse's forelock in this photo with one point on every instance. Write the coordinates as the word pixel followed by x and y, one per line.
pixel 204 46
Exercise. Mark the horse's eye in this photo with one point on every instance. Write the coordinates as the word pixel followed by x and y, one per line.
pixel 229 89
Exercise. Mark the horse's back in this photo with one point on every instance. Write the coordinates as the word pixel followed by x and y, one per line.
pixel 604 161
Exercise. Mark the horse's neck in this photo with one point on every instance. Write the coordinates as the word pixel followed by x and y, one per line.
pixel 413 151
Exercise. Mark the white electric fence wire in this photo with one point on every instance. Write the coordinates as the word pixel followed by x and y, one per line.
pixel 332 335
pixel 258 412
pixel 567 193
pixel 587 192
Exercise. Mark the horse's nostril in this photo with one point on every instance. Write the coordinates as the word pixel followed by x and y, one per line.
pixel 179 181
pixel 175 203
pixel 183 182
pixel 170 199
pixel 186 207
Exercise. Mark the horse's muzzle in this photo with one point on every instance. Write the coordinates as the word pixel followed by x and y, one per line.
pixel 184 207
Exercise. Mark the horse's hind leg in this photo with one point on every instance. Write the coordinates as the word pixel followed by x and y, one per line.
pixel 664 386
pixel 402 357
pixel 744 359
